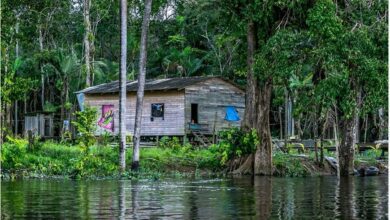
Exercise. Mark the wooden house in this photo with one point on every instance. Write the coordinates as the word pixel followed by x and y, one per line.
pixel 172 107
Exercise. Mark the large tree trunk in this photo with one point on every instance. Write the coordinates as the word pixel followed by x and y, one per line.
pixel 346 148
pixel 87 43
pixel 250 115
pixel 263 156
pixel 346 152
pixel 141 84
pixel 122 87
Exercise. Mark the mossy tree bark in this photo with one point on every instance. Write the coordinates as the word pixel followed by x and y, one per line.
pixel 249 121
pixel 263 156
pixel 346 147
pixel 257 101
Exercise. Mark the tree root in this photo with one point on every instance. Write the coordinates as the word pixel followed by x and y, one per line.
pixel 245 166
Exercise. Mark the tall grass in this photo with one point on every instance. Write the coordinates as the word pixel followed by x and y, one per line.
pixel 51 158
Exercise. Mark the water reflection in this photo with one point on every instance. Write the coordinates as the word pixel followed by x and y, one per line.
pixel 245 197
pixel 263 196
pixel 346 198
pixel 122 200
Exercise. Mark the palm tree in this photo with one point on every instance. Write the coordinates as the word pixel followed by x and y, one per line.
pixel 87 42
pixel 122 87
pixel 141 84
pixel 65 65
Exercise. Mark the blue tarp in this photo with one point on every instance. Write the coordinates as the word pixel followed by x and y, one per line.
pixel 231 114
pixel 80 99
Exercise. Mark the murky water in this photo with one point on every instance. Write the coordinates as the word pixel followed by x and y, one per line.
pixel 239 198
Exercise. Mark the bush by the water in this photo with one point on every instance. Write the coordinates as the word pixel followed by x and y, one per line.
pixel 288 165
pixel 235 143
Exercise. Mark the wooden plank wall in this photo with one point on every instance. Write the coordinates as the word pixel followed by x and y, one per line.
pixel 212 97
pixel 173 123
pixel 36 123
pixel 31 123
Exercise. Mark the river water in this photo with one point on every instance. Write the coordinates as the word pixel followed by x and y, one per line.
pixel 238 198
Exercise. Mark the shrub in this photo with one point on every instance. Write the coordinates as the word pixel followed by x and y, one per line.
pixel 13 153
pixel 235 143
pixel 287 165
pixel 85 124
pixel 170 143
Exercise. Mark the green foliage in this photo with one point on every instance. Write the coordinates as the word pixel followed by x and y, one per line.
pixel 287 165
pixel 322 20
pixel 105 138
pixel 71 160
pixel 50 107
pixel 13 153
pixel 235 143
pixel 85 124
pixel 170 143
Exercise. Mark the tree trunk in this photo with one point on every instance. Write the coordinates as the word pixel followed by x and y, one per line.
pixel 263 156
pixel 42 76
pixel 249 121
pixel 122 87
pixel 365 128
pixel 87 43
pixel 16 118
pixel 16 73
pixel 346 148
pixel 141 84
pixel 62 100
pixel 349 134
pixel 286 119
pixel 280 123
pixel 381 124
pixel 8 120
pixel 357 117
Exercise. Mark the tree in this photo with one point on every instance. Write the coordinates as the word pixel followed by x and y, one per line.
pixel 122 87
pixel 259 28
pixel 87 42
pixel 141 84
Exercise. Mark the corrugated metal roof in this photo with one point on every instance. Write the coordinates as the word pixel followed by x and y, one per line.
pixel 150 85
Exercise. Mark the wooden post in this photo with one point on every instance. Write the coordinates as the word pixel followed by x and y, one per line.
pixel 215 122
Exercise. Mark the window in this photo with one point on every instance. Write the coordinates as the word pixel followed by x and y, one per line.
pixel 158 110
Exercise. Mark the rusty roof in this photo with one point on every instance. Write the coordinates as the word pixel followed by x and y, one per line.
pixel 150 85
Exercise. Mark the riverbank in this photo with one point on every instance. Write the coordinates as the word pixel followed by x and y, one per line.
pixel 54 160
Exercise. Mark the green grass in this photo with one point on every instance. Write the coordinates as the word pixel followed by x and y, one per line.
pixel 51 159
pixel 54 159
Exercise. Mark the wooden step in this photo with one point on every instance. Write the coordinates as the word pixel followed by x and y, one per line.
pixel 200 137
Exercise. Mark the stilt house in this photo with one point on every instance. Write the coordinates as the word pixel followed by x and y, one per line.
pixel 190 106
